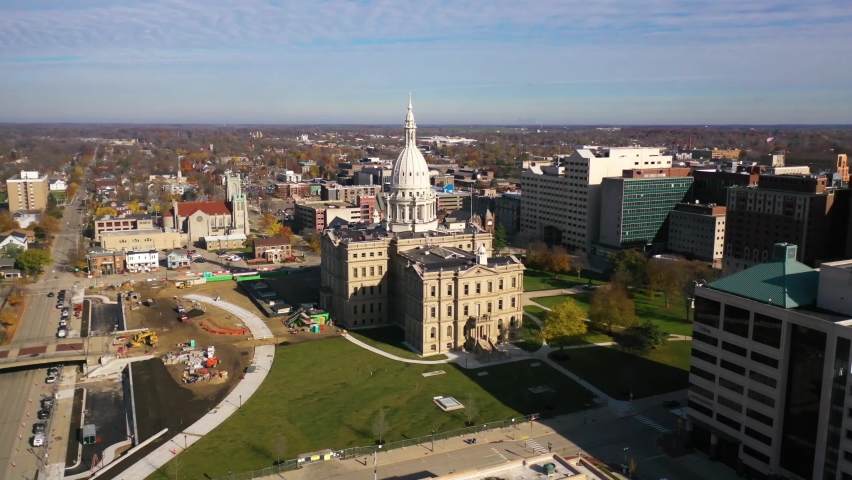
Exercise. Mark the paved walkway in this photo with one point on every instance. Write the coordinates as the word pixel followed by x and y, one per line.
pixel 259 329
pixel 263 357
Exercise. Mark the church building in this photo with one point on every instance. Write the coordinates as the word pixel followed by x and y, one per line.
pixel 197 220
pixel 441 286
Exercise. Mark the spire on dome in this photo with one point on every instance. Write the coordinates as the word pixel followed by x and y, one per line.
pixel 410 125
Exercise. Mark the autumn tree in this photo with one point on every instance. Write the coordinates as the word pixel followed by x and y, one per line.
pixel 630 262
pixel 558 261
pixel 580 262
pixel 611 307
pixel 8 223
pixel 666 276
pixel 564 321
pixel 537 255
pixel 314 242
pixel 48 226
pixel 287 232
pixel 105 211
pixel 71 190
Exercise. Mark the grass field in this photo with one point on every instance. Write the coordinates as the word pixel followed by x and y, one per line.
pixel 389 339
pixel 539 280
pixel 616 373
pixel 670 320
pixel 532 341
pixel 590 337
pixel 322 395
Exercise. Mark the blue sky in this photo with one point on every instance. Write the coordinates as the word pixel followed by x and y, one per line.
pixel 465 62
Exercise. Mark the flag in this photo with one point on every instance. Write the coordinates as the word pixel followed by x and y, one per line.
pixel 770 139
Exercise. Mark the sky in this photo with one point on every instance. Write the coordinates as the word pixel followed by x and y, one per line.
pixel 572 62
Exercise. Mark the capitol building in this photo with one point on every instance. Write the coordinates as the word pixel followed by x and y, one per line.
pixel 441 286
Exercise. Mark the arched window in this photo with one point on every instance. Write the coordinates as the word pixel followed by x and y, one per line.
pixel 434 330
pixel 449 332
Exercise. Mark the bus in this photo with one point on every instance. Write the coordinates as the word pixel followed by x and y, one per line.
pixel 89 435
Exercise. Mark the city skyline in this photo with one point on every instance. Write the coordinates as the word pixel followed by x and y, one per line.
pixel 270 62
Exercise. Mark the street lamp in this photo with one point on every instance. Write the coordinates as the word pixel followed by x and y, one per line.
pixel 625 455
pixel 433 439
pixel 241 401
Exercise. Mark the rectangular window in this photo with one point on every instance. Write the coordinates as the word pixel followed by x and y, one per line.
pixel 380 288
pixel 363 271
pixel 489 287
pixel 736 349
pixel 432 312
pixel 466 289
pixel 489 307
pixel 727 402
pixel 500 284
pixel 756 455
pixel 765 439
pixel 432 291
pixel 707 311
pixel 513 302
pixel 732 367
pixel 764 399
pixel 499 304
pixel 355 292
pixel 380 269
pixel 371 289
pixel 702 391
pixel 764 419
pixel 372 271
pixel 465 311
pixel 736 321
pixel 700 408
pixel 449 290
pixel 764 359
pixel 766 330
pixel 355 272
pixel 355 309
pixel 702 373
pixel 514 282
pixel 728 421
pixel 704 338
pixel 478 288
pixel 732 386
pixel 761 378
pixel 704 356
pixel 449 310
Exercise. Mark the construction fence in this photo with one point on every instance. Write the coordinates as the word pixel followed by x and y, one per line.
pixel 516 423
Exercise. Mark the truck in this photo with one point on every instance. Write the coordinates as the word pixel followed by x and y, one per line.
pixel 180 308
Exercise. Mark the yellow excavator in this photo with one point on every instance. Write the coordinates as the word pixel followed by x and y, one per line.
pixel 144 337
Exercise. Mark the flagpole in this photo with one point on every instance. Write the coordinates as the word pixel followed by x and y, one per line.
pixel 375 465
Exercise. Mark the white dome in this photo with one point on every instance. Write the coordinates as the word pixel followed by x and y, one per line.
pixel 410 170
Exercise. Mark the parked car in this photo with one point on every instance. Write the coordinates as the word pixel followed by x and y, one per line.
pixel 200 260
pixel 63 322
pixel 38 440
pixel 671 403
pixel 49 294
pixel 62 332
pixel 38 428
pixel 43 414
pixel 50 379
pixel 53 371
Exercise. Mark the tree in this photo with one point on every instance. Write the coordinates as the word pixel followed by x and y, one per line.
pixel 105 211
pixel 565 320
pixel 175 466
pixel 611 307
pixel 8 223
pixel 56 212
pixel 499 242
pixel 33 260
pixel 380 425
pixel 537 256
pixel 287 232
pixel 643 337
pixel 666 276
pixel 71 190
pixel 14 251
pixel 494 183
pixel 279 448
pixel 48 226
pixel 190 195
pixel 580 262
pixel 471 409
pixel 265 206
pixel 134 207
pixel 8 317
pixel 629 261
pixel 558 261
pixel 267 221
pixel 313 241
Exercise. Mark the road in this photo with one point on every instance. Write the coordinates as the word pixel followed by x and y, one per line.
pixel 40 319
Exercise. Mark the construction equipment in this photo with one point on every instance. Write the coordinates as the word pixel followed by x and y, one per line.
pixel 212 362
pixel 183 284
pixel 144 337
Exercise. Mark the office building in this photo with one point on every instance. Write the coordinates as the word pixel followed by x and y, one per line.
pixel 318 216
pixel 561 204
pixel 711 185
pixel 27 190
pixel 334 192
pixel 769 370
pixel 114 223
pixel 722 154
pixel 507 212
pixel 802 210
pixel 697 231
pixel 635 208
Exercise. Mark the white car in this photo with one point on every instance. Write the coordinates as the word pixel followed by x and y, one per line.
pixel 62 333
pixel 38 440
pixel 50 379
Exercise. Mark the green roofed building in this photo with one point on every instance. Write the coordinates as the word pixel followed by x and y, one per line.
pixel 768 375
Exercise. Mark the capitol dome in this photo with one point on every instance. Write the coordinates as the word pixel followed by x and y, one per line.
pixel 410 170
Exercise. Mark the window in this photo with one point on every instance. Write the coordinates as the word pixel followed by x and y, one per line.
pixel 707 311
pixel 449 333
pixel 698 372
pixel 432 312
pixel 702 391
pixel 364 308
pixel 465 311
pixel 466 289
pixel 489 287
pixel 478 288
pixel 729 422
pixel 764 399
pixel 761 378
pixel 372 271
pixel 732 386
pixel 363 290
pixel 514 282
pixel 513 302
pixel 432 335
pixel 450 289
pixel 699 408
pixel 703 356
pixel 372 254
pixel 727 402
pixel 355 292
pixel 380 309
pixel 355 310
pixel 499 304
pixel 755 454
pixel 380 288
pixel 736 321
pixel 432 291
pixel 764 359
pixel 363 255
pixel 355 272
pixel 449 346
pixel 766 330
pixel 354 255
pixel 449 310
pixel 709 340
pixel 363 271
pixel 500 284
pixel 758 436
pixel 730 347
pixel 764 419
pixel 371 289
pixel 380 269
pixel 488 305
pixel 732 367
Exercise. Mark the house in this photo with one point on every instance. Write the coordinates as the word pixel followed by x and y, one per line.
pixel 57 184
pixel 29 234
pixel 145 260
pixel 105 186
pixel 273 250
pixel 227 242
pixel 7 269
pixel 103 261
pixel 25 218
pixel 13 238
pixel 178 259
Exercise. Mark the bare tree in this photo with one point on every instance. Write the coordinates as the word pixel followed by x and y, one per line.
pixel 175 465
pixel 280 447
pixel 265 206
pixel 380 425
pixel 579 262
pixel 471 409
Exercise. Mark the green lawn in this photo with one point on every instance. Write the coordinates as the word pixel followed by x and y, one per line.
pixel 536 311
pixel 532 341
pixel 539 280
pixel 325 394
pixel 617 373
pixel 670 320
pixel 590 337
pixel 390 340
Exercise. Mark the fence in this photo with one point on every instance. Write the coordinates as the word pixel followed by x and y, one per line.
pixel 353 452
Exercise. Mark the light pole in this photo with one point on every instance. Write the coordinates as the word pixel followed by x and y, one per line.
pixel 241 401
pixel 625 455
pixel 433 439
pixel 184 443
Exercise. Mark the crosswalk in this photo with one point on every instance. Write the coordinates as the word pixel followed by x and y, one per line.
pixel 535 446
pixel 647 421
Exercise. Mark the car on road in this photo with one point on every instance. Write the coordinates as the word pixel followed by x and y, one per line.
pixel 38 440
pixel 53 370
pixel 50 379
pixel 38 428
pixel 43 414
pixel 63 322
pixel 50 294
pixel 671 403
pixel 62 332
pixel 200 260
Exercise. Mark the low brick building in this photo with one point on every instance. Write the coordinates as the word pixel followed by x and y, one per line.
pixel 105 262
pixel 273 250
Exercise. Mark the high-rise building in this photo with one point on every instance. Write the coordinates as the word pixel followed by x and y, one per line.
pixel 635 208
pixel 698 232
pixel 769 372
pixel 711 185
pixel 27 191
pixel 802 210
pixel 561 203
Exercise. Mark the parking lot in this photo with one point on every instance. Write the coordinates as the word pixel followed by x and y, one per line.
pixel 105 408
pixel 104 319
